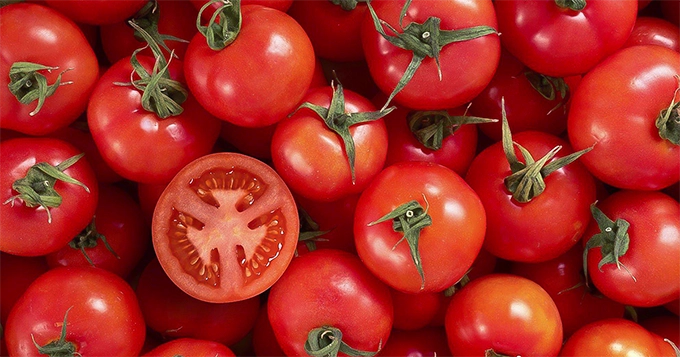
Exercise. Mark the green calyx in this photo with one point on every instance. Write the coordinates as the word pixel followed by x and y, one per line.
pixel 450 291
pixel 409 218
pixel 89 238
pixel 28 84
pixel 327 341
pixel 424 40
pixel 576 5
pixel 339 121
pixel 220 33
pixel 527 179
pixel 147 19
pixel 613 241
pixel 60 347
pixel 491 353
pixel 432 127
pixel 37 187
pixel 309 231
pixel 160 94
pixel 549 88
pixel 668 121
pixel 347 5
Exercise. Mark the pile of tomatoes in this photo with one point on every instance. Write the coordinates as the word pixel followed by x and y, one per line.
pixel 340 177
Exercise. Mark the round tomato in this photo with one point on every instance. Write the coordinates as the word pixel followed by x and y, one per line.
pixel 190 347
pixel 611 337
pixel 225 228
pixel 419 226
pixel 654 31
pixel 97 12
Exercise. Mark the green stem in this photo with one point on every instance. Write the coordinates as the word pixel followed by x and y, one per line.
pixel 576 5
pixel 432 127
pixel 27 84
pixel 60 347
pixel 668 121
pixel 327 341
pixel 88 239
pixel 224 24
pixel 347 5
pixel 147 18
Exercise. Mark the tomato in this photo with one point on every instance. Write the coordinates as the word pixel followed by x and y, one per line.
pixel 16 274
pixel 558 39
pixel 615 110
pixel 505 314
pixel 426 342
pixel 416 311
pixel 228 83
pixel 443 229
pixel 173 313
pixel 282 5
pixel 32 227
pixel 611 337
pixel 264 341
pixel 225 228
pixel 644 272
pixel 665 326
pixel 654 31
pixel 466 67
pixel 118 223
pixel 97 12
pixel 544 227
pixel 138 144
pixel 313 158
pixel 329 295
pixel 97 309
pixel 37 34
pixel 190 347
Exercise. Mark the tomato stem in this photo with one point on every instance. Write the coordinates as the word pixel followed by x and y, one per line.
pixel 548 87
pixel 576 5
pixel 309 231
pixel 668 121
pixel 433 126
pixel 88 239
pixel 221 33
pixel 327 341
pixel 147 18
pixel 27 84
pixel 60 347
pixel 347 5
pixel 458 285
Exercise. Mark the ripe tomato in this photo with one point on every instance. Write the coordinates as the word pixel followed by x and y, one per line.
pixel 415 311
pixel 444 249
pixel 225 228
pixel 28 227
pixel 466 67
pixel 615 109
pixel 16 274
pixel 505 314
pixel 331 293
pixel 611 337
pixel 190 347
pixel 37 34
pixel 556 38
pixel 85 311
pixel 97 12
pixel 654 31
pixel 425 342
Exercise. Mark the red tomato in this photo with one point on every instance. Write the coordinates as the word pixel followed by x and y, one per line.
pixel 282 5
pixel 16 274
pixel 37 34
pixel 43 229
pixel 415 311
pixel 330 289
pixel 119 220
pixel 138 144
pixel 334 218
pixel 98 310
pixel 189 347
pixel 646 273
pixel 466 67
pixel 97 12
pixel 426 342
pixel 611 337
pixel 615 109
pixel 311 157
pixel 654 31
pixel 558 40
pixel 225 228
pixel 665 326
pixel 264 339
pixel 259 78
pixel 505 314
pixel 445 249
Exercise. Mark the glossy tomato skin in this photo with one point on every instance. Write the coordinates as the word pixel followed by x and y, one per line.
pixel 611 337
pixel 425 342
pixel 447 247
pixel 506 313
pixel 536 33
pixel 467 67
pixel 225 228
pixel 650 277
pixel 138 144
pixel 329 288
pixel 654 31
pixel 16 274
pixel 546 226
pixel 97 12
pixel 27 231
pixel 103 314
pixel 311 158
pixel 38 34
pixel 190 347
pixel 259 78
pixel 615 110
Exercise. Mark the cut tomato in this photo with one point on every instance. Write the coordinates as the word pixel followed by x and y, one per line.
pixel 225 228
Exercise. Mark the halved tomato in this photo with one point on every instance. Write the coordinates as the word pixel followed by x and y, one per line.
pixel 225 228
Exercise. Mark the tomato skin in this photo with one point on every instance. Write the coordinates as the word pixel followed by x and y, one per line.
pixel 329 288
pixel 524 231
pixel 311 158
pixel 16 274
pixel 228 84
pixel 509 314
pixel 671 11
pixel 264 339
pixel 190 347
pixel 443 189
pixel 104 317
pixel 97 12
pixel 614 110
pixel 536 33
pixel 425 342
pixel 61 44
pixel 467 67
pixel 654 237
pixel 248 215
pixel 137 144
pixel 611 337
pixel 26 231
pixel 665 326
pixel 654 31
